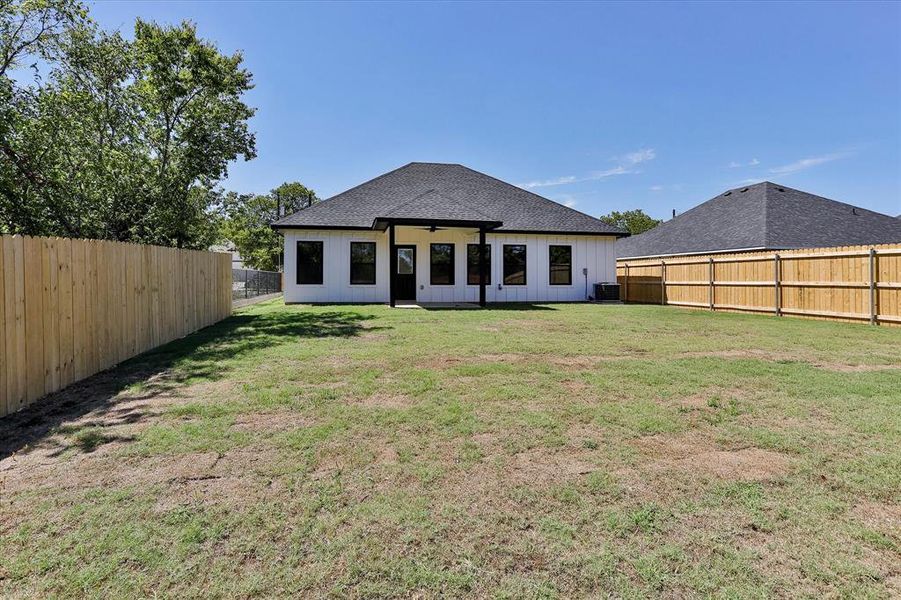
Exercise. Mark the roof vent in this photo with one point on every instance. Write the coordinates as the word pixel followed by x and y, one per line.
pixel 744 190
pixel 853 211
pixel 727 194
pixel 781 189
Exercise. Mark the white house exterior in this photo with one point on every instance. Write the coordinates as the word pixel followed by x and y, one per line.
pixel 413 235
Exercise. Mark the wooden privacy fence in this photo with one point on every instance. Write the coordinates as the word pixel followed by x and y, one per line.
pixel 852 283
pixel 71 308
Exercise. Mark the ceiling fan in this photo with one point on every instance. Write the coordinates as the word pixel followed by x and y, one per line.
pixel 433 228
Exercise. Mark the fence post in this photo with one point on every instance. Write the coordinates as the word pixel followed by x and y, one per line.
pixel 777 275
pixel 710 292
pixel 662 282
pixel 872 286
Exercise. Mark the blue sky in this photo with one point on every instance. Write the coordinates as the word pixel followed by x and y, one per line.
pixel 601 106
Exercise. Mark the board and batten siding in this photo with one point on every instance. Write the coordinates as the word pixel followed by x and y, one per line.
pixel 595 253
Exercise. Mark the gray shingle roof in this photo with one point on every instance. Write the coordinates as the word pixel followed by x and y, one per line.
pixel 764 215
pixel 444 192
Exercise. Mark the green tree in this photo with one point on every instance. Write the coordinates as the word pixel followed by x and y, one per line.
pixel 118 139
pixel 31 32
pixel 634 221
pixel 194 122
pixel 247 220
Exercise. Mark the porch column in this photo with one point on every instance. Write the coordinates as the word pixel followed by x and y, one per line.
pixel 392 263
pixel 482 265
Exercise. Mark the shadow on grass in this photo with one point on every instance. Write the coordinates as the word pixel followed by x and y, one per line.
pixel 203 355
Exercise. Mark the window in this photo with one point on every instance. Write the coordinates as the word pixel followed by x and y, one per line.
pixel 362 263
pixel 405 259
pixel 514 264
pixel 472 264
pixel 561 265
pixel 309 263
pixel 442 261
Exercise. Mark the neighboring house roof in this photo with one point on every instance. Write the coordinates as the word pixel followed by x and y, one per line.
pixel 763 216
pixel 444 192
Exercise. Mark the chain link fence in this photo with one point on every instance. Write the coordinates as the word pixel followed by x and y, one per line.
pixel 248 283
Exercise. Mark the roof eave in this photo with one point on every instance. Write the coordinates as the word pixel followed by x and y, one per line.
pixel 278 226
pixel 382 223
pixel 616 234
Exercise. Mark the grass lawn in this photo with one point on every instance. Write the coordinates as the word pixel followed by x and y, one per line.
pixel 536 451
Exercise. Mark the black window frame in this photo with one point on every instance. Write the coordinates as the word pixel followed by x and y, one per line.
pixel 550 264
pixel 373 263
pixel 314 280
pixel 525 264
pixel 475 267
pixel 432 264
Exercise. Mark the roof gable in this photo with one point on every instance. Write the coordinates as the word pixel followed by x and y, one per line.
pixel 763 215
pixel 445 192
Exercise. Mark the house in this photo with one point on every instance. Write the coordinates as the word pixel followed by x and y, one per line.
pixel 228 247
pixel 763 216
pixel 432 232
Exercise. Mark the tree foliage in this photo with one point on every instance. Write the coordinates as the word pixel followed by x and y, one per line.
pixel 634 221
pixel 247 219
pixel 113 138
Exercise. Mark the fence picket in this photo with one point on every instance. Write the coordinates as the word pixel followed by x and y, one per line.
pixel 850 283
pixel 71 308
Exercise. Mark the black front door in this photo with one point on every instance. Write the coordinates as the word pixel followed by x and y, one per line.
pixel 405 276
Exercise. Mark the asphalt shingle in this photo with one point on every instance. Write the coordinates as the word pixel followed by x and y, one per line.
pixel 449 192
pixel 764 215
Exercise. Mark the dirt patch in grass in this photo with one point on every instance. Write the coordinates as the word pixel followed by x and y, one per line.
pixel 693 453
pixel 541 466
pixel 579 362
pixel 507 358
pixel 672 447
pixel 264 422
pixel 575 387
pixel 440 363
pixel 238 479
pixel 879 516
pixel 747 464
pixel 894 583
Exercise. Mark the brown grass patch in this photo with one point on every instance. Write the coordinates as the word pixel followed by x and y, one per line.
pixel 508 358
pixel 278 421
pixel 747 464
pixel 879 516
pixel 542 467
pixel 692 453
